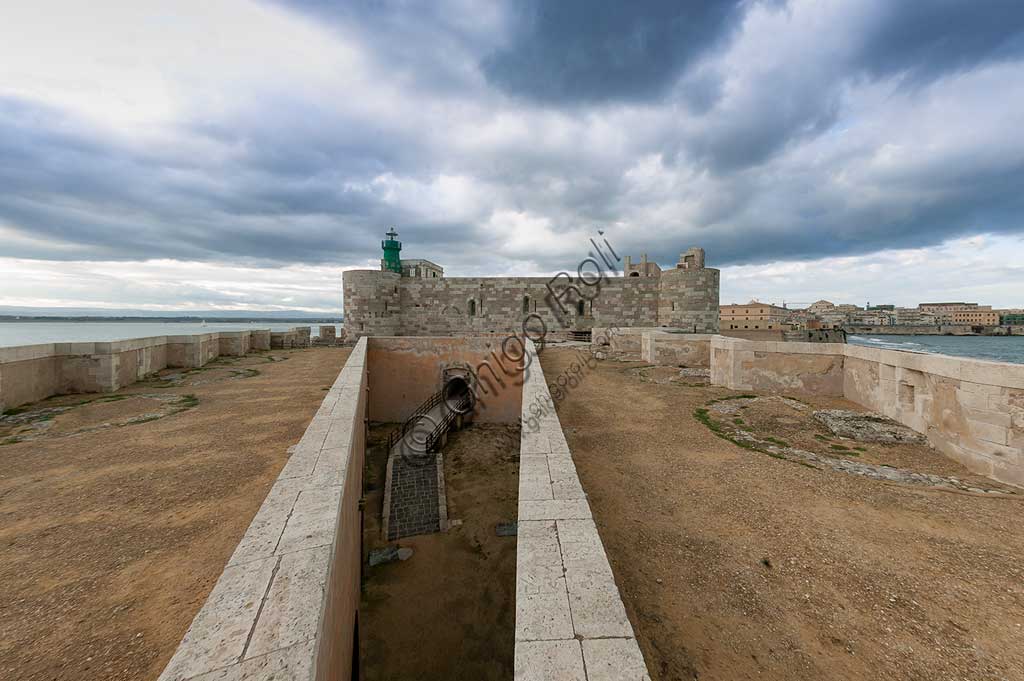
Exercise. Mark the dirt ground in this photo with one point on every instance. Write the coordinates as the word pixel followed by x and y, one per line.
pixel 448 612
pixel 734 564
pixel 119 511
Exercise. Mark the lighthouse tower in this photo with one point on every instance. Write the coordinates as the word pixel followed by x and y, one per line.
pixel 392 261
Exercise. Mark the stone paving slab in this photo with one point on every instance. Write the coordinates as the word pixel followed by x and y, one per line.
pixel 614 659
pixel 219 632
pixel 298 589
pixel 570 620
pixel 549 661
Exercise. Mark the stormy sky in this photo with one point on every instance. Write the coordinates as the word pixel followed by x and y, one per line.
pixel 240 154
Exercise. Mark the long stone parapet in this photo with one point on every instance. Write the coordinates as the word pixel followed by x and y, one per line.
pixel 970 410
pixel 570 620
pixel 285 606
pixel 29 373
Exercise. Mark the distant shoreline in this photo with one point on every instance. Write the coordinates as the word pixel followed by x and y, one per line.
pixel 184 320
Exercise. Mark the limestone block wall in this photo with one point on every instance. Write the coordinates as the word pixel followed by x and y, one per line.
pixel 970 410
pixel 619 341
pixel 438 307
pixel 815 368
pixel 234 343
pixel 283 339
pixel 34 372
pixel 259 339
pixel 405 371
pixel 29 373
pixel 570 621
pixel 286 605
pixel 688 300
pixel 385 304
pixel 371 303
pixel 692 350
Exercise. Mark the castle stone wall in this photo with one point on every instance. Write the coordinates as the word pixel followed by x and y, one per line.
pixel 384 304
pixel 371 303
pixel 688 299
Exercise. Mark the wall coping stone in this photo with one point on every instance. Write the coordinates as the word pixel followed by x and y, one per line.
pixel 264 618
pixel 570 621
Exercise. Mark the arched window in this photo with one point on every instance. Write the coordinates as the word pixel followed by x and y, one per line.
pixel 526 304
pixel 634 274
pixel 472 308
pixel 579 308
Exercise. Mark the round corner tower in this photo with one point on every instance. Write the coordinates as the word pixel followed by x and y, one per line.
pixel 371 305
pixel 688 295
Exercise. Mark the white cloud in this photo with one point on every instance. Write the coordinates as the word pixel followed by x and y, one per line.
pixel 985 269
pixel 169 285
pixel 237 132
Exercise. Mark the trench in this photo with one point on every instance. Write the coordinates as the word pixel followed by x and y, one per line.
pixel 448 610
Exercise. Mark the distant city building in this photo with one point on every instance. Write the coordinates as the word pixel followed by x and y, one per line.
pixel 753 316
pixel 978 317
pixel 1011 317
pixel 423 269
pixel 912 316
pixel 945 311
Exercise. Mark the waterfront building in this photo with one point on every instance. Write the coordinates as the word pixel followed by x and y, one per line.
pixel 978 317
pixel 754 315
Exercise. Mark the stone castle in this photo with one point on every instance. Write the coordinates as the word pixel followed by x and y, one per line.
pixel 414 298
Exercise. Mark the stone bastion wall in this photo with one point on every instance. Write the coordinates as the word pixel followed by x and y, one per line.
pixel 970 410
pixel 29 373
pixel 386 304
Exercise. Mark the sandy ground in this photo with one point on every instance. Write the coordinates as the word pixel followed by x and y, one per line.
pixel 736 565
pixel 448 612
pixel 117 515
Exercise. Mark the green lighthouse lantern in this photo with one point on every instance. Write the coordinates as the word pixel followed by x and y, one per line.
pixel 392 247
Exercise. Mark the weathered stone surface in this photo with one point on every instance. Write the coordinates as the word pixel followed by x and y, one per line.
pixel 294 663
pixel 565 590
pixel 291 610
pixel 387 304
pixel 865 427
pixel 549 661
pixel 614 659
pixel 220 630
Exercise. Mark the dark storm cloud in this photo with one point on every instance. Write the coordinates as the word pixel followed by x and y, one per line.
pixel 930 38
pixel 581 50
pixel 551 111
pixel 286 200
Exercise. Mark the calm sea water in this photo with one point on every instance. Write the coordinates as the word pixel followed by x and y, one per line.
pixel 31 333
pixel 991 348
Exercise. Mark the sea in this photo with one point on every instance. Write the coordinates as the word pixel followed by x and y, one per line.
pixel 35 332
pixel 989 348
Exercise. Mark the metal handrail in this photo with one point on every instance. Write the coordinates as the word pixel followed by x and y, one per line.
pixel 427 405
pixel 442 427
